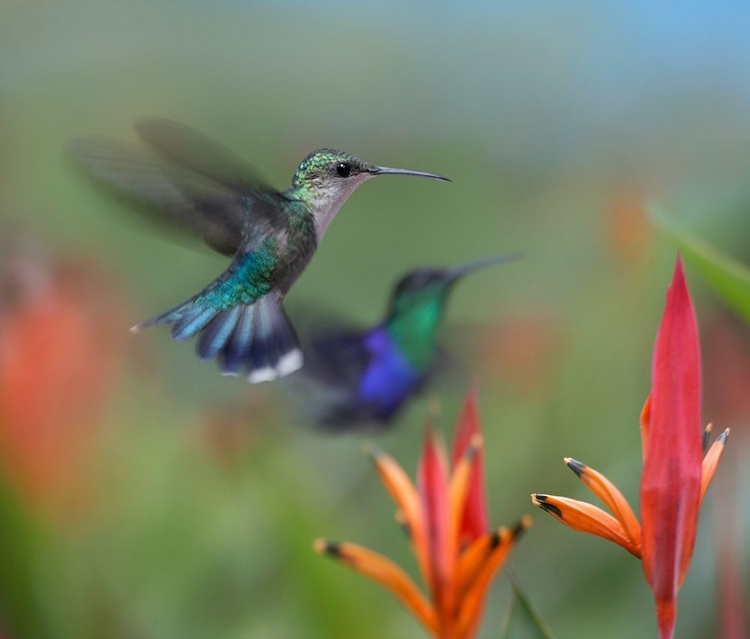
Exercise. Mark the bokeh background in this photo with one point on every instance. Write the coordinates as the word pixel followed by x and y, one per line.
pixel 143 496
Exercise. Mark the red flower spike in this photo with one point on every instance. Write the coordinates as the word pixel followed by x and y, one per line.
pixel 475 520
pixel 456 576
pixel 433 488
pixel 675 472
pixel 671 481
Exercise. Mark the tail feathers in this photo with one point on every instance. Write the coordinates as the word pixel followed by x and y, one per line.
pixel 193 322
pixel 275 350
pixel 238 347
pixel 215 336
pixel 174 315
pixel 258 339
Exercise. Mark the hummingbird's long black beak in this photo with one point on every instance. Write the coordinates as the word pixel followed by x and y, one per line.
pixel 456 273
pixel 384 170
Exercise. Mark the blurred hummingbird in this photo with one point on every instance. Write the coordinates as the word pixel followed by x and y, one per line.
pixel 194 183
pixel 357 378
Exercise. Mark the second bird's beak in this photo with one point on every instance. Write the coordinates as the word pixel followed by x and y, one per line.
pixel 456 273
pixel 384 170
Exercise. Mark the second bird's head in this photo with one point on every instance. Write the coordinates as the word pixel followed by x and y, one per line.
pixel 429 287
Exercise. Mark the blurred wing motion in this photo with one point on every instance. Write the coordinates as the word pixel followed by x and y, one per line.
pixel 328 388
pixel 198 153
pixel 355 380
pixel 193 185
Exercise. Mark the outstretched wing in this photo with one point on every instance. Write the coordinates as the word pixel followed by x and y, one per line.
pixel 333 343
pixel 196 152
pixel 196 186
pixel 327 389
pixel 338 360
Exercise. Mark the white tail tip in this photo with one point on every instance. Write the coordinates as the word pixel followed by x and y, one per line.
pixel 291 362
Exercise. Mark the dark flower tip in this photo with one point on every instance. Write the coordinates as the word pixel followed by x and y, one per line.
pixel 474 445
pixel 723 437
pixel 323 547
pixel 372 452
pixel 707 437
pixel 401 521
pixel 495 540
pixel 541 501
pixel 522 526
pixel 369 450
pixel 577 467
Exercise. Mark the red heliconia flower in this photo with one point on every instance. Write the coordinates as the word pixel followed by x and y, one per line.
pixel 445 516
pixel 476 520
pixel 59 347
pixel 675 472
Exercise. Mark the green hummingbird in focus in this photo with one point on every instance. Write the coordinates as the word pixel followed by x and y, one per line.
pixel 360 378
pixel 196 184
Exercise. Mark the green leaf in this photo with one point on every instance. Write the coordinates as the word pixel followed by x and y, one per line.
pixel 523 620
pixel 19 539
pixel 729 278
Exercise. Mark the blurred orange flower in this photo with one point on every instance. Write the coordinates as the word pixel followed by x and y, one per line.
pixel 627 225
pixel 522 351
pixel 445 516
pixel 675 472
pixel 59 348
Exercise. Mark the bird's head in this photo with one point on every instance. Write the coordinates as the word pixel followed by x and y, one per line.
pixel 326 178
pixel 429 287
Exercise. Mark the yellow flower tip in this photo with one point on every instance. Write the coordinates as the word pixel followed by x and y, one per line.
pixel 323 547
pixel 577 467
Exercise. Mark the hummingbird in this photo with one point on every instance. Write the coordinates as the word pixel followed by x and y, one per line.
pixel 193 183
pixel 365 377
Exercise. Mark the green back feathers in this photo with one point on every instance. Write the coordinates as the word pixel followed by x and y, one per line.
pixel 249 278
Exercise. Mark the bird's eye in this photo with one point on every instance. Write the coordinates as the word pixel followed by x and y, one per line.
pixel 343 169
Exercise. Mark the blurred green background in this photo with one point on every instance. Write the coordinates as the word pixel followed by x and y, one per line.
pixel 189 503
